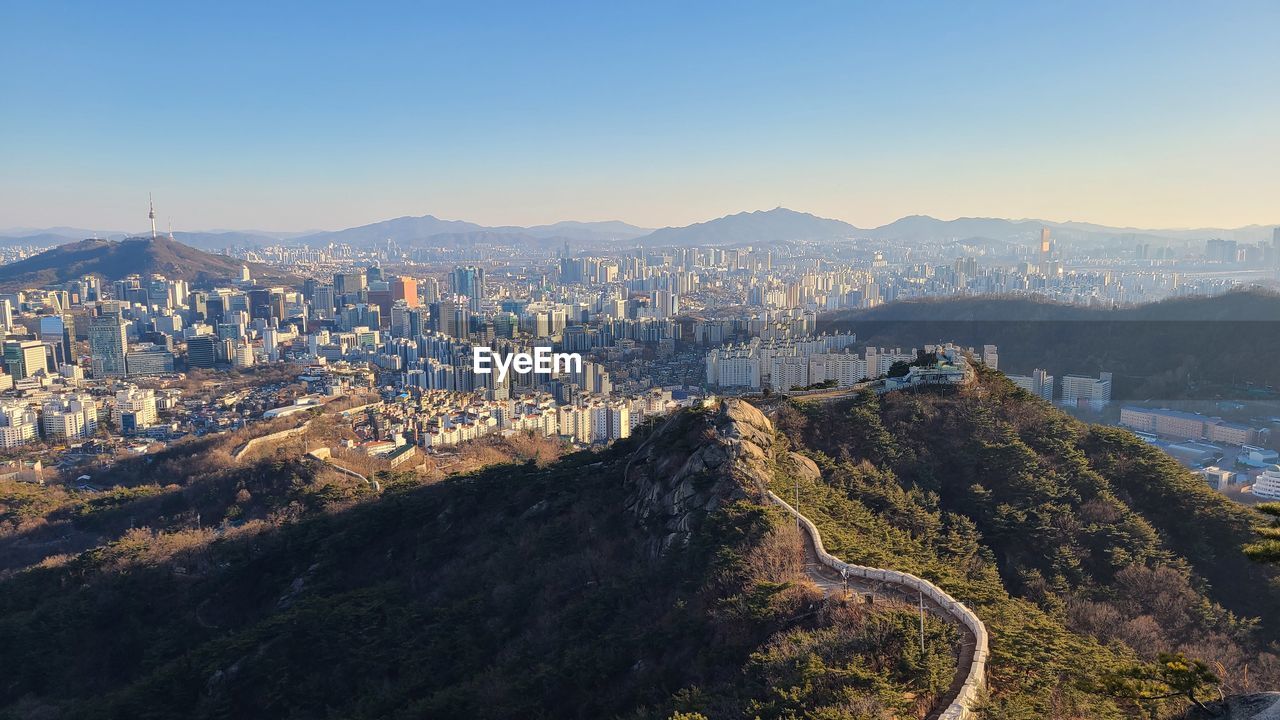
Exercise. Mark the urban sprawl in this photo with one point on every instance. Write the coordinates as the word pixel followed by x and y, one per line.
pixel 430 336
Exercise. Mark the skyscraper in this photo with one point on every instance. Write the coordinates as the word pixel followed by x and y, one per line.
pixel 454 319
pixel 259 303
pixel 202 351
pixel 429 288
pixel 24 358
pixel 323 301
pixel 349 283
pixel 108 345
pixel 55 330
pixel 197 306
pixel 469 280
pixel 406 289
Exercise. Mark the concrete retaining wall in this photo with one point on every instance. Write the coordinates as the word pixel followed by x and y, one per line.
pixel 324 455
pixel 962 706
pixel 259 441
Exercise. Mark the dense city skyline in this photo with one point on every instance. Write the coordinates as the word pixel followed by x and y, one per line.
pixel 656 115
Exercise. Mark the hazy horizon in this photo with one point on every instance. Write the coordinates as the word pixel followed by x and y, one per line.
pixel 13 230
pixel 1142 115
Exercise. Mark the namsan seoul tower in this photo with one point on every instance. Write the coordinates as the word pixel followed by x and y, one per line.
pixel 152 214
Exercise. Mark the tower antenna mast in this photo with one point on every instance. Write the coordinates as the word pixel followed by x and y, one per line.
pixel 151 213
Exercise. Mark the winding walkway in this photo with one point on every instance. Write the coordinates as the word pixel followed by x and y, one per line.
pixel 826 571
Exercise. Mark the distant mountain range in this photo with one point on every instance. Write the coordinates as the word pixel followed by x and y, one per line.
pixel 753 228
pixel 922 228
pixel 404 231
pixel 209 240
pixel 783 225
pixel 760 227
pixel 112 260
pixel 429 229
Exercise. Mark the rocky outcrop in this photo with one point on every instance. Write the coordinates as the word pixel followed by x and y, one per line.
pixel 800 466
pixel 1257 706
pixel 695 463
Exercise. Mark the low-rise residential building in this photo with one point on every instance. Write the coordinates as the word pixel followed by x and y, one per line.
pixel 1181 425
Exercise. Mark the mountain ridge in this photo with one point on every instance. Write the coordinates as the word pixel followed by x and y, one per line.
pixel 750 228
pixel 113 260
pixel 424 228
pixel 745 227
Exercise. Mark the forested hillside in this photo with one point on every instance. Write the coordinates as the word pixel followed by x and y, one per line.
pixel 112 260
pixel 650 580
pixel 515 592
pixel 1196 347
pixel 1087 552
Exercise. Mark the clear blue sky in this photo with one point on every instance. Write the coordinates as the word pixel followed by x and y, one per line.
pixel 321 115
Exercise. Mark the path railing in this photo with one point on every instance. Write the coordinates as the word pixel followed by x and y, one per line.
pixel 963 704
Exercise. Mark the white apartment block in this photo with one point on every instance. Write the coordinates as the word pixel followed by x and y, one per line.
pixel 69 417
pixel 734 368
pixel 1038 383
pixel 780 363
pixel 1079 391
pixel 134 410
pixel 846 368
pixel 879 360
pixel 610 422
pixel 19 425
pixel 788 372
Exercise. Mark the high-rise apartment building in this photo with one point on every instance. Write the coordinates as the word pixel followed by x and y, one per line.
pixel 1039 383
pixel 1079 391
